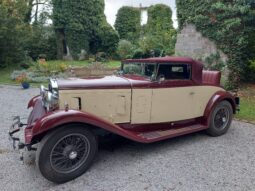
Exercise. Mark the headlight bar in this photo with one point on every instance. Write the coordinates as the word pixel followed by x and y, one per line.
pixel 50 95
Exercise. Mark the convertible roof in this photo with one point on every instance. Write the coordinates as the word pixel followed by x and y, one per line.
pixel 197 66
pixel 163 59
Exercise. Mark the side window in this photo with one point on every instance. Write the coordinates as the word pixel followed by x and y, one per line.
pixel 149 69
pixel 175 71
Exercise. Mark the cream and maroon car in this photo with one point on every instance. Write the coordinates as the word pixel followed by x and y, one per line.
pixel 149 100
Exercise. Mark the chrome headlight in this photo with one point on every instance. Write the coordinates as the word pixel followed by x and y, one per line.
pixel 50 95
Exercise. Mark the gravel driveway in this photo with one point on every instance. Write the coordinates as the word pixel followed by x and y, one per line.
pixel 192 162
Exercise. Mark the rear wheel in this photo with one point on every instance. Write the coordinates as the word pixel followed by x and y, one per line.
pixel 220 119
pixel 66 153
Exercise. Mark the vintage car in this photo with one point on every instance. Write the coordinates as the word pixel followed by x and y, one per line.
pixel 148 100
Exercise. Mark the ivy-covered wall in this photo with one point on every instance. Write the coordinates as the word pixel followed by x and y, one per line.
pixel 156 38
pixel 82 25
pixel 128 23
pixel 159 19
pixel 229 23
pixel 159 28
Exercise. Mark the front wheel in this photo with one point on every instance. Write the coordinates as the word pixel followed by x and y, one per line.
pixel 220 119
pixel 66 153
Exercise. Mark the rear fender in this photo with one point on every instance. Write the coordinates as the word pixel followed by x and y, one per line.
pixel 59 118
pixel 215 99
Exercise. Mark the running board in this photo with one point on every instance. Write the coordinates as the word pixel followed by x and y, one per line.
pixel 158 135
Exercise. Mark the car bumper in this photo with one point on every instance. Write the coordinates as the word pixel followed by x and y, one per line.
pixel 17 135
pixel 14 130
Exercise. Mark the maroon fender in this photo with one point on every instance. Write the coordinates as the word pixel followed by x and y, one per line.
pixel 215 99
pixel 60 117
pixel 32 101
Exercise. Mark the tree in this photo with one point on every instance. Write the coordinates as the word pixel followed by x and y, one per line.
pixel 77 24
pixel 128 23
pixel 42 41
pixel 33 12
pixel 159 19
pixel 159 31
pixel 229 23
pixel 12 31
pixel 105 40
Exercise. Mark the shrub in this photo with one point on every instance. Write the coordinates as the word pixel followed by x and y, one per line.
pixel 42 66
pixel 42 43
pixel 250 72
pixel 125 49
pixel 30 76
pixel 132 69
pixel 83 55
pixel 22 78
pixel 138 53
pixel 101 57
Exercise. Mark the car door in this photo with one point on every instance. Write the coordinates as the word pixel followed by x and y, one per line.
pixel 173 96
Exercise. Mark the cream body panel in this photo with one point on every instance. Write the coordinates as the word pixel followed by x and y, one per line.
pixel 172 104
pixel 202 95
pixel 175 104
pixel 141 106
pixel 112 105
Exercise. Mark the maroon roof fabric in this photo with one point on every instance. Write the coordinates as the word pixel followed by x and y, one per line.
pixel 197 66
pixel 162 59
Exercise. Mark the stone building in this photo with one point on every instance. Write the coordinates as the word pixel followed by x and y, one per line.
pixel 191 43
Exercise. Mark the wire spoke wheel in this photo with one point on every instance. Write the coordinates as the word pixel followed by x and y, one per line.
pixel 69 153
pixel 221 117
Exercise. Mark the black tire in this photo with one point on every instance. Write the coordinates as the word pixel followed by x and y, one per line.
pixel 220 119
pixel 66 153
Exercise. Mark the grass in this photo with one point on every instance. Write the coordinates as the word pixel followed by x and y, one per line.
pixel 5 73
pixel 247 103
pixel 111 64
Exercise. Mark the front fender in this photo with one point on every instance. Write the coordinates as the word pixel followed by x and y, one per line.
pixel 32 101
pixel 217 98
pixel 58 118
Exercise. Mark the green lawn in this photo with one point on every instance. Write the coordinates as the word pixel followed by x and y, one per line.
pixel 5 73
pixel 111 64
pixel 247 104
pixel 247 110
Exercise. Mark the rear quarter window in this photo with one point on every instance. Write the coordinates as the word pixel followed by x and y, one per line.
pixel 175 71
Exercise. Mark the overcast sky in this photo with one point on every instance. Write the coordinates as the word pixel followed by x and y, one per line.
pixel 112 7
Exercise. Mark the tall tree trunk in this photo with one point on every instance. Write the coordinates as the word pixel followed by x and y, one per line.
pixel 29 11
pixel 36 12
pixel 61 43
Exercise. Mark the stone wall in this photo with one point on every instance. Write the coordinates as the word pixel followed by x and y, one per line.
pixel 191 43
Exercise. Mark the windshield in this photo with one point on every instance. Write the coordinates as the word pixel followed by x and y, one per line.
pixel 142 69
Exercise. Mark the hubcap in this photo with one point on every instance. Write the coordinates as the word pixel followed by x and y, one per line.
pixel 73 155
pixel 69 153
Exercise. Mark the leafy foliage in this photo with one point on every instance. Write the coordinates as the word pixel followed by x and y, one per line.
pixel 125 49
pixel 159 19
pixel 229 23
pixel 12 31
pixel 42 41
pixel 105 40
pixel 81 25
pixel 160 36
pixel 128 23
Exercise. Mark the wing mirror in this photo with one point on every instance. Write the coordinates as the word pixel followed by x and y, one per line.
pixel 161 78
